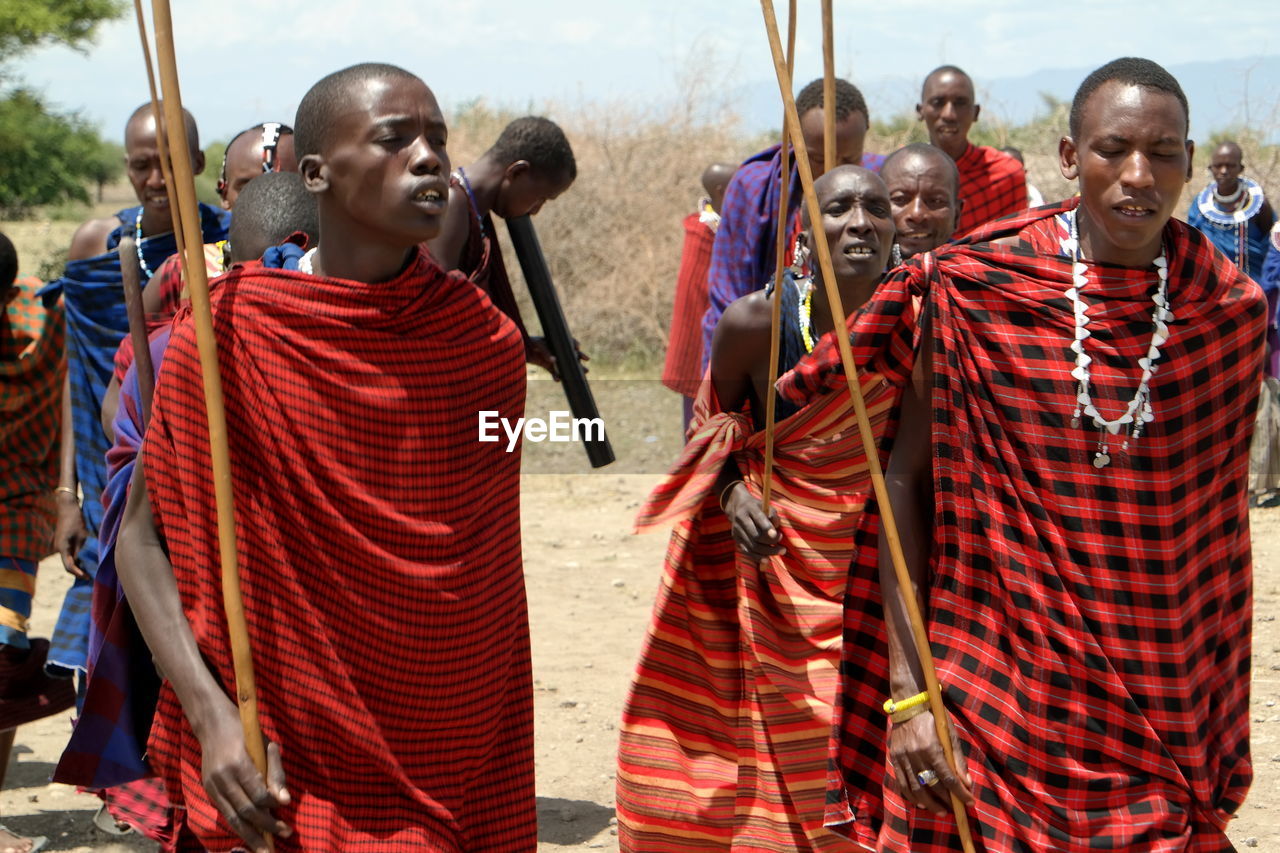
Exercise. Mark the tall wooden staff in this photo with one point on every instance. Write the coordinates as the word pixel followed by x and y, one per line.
pixel 828 88
pixel 771 393
pixel 823 251
pixel 187 223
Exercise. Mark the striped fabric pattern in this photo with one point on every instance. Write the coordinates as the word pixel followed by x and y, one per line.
pixel 379 555
pixel 32 368
pixel 726 732
pixel 682 369
pixel 1091 626
pixel 992 185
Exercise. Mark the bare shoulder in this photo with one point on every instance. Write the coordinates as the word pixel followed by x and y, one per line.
pixel 90 238
pixel 749 315
pixel 1008 240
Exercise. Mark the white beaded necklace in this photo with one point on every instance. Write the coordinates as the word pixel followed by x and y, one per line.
pixel 1138 412
pixel 1229 199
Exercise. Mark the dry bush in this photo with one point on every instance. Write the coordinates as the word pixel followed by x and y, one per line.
pixel 613 240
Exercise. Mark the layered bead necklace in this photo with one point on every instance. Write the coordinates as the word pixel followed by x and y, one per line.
pixel 1138 412
pixel 804 313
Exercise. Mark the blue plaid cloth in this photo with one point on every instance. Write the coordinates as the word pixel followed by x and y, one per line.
pixel 93 298
pixel 743 257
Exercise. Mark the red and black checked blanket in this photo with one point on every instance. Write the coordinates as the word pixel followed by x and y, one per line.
pixel 1091 627
pixel 379 550
pixel 992 185
pixel 725 741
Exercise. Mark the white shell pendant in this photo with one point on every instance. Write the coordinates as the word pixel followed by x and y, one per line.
pixel 1102 460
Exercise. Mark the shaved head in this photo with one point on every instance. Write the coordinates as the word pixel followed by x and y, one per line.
pixel 715 180
pixel 141 121
pixel 1230 149
pixel 314 123
pixel 949 71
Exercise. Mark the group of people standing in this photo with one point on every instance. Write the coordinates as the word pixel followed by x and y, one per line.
pixel 1064 399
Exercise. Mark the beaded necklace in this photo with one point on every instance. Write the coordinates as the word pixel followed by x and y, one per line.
pixel 475 208
pixel 804 312
pixel 137 245
pixel 1138 413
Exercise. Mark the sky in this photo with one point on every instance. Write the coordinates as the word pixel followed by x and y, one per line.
pixel 246 61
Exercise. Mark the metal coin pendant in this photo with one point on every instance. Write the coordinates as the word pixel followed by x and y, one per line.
pixel 1102 460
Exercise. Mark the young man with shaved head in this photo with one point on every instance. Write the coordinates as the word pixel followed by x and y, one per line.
pixel 1233 212
pixel 742 259
pixel 992 184
pixel 379 551
pixel 92 292
pixel 1069 483
pixel 726 732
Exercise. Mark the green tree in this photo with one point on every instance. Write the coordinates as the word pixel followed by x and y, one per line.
pixel 46 158
pixel 25 24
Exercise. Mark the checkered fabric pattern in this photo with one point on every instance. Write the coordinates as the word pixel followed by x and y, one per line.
pixel 1091 626
pixel 32 368
pixel 379 556
pixel 992 185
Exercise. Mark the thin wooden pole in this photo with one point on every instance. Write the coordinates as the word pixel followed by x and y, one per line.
pixel 162 136
pixel 828 89
pixel 823 251
pixel 132 280
pixel 771 393
pixel 219 452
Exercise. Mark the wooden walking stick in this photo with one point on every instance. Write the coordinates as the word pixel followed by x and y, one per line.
pixel 828 89
pixel 188 217
pixel 823 251
pixel 132 280
pixel 780 265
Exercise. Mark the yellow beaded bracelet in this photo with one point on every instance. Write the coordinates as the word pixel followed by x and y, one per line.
pixel 892 706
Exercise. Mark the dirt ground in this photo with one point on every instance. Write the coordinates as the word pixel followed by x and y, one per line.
pixel 591 583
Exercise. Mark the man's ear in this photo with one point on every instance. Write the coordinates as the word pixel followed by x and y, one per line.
pixel 920 112
pixel 1068 159
pixel 315 173
pixel 976 110
pixel 197 163
pixel 1191 155
pixel 516 169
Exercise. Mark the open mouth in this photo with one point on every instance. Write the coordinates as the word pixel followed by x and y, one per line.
pixel 430 196
pixel 1133 211
pixel 859 251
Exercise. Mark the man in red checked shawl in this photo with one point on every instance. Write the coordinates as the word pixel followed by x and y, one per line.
pixel 725 733
pixel 1079 425
pixel 992 183
pixel 379 549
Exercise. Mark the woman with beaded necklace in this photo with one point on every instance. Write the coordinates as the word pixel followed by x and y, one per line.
pixel 1233 212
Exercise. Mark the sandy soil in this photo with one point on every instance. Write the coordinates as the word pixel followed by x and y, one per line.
pixel 591 584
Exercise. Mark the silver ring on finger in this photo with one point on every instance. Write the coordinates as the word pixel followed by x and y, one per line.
pixel 927 778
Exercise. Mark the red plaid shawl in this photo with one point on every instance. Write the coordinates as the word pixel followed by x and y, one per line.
pixel 32 368
pixel 379 551
pixel 1092 627
pixel 725 741
pixel 992 185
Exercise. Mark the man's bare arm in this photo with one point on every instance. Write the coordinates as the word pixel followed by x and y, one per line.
pixel 90 239
pixel 232 782
pixel 70 533
pixel 740 342
pixel 913 744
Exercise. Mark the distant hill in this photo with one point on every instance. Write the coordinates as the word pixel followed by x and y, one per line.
pixel 1222 94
